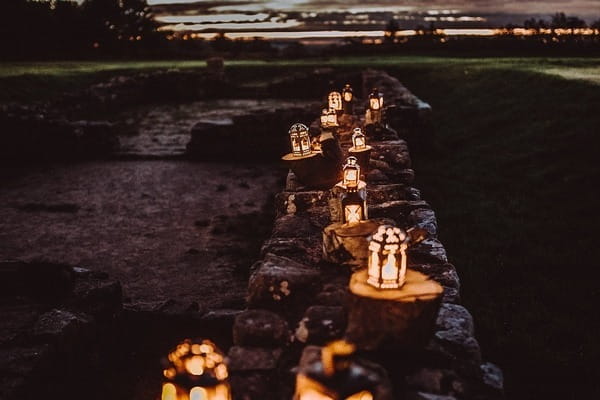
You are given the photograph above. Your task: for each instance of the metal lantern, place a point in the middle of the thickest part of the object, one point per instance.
(332, 118)
(387, 257)
(300, 140)
(324, 117)
(335, 376)
(354, 207)
(195, 370)
(335, 101)
(359, 140)
(351, 173)
(347, 93)
(375, 100)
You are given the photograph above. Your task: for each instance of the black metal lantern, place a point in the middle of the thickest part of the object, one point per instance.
(354, 207)
(359, 140)
(351, 174)
(375, 100)
(195, 370)
(348, 97)
(347, 93)
(300, 140)
(336, 376)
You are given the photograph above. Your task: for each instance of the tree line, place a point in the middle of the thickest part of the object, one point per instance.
(64, 28)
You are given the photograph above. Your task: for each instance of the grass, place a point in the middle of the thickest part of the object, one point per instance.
(513, 181)
(27, 81)
(512, 177)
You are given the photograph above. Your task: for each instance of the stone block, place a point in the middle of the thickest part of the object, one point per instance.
(260, 328)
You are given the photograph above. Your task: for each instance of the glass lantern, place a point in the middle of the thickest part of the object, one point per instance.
(324, 117)
(351, 174)
(354, 207)
(335, 376)
(195, 371)
(347, 93)
(359, 140)
(387, 257)
(375, 100)
(300, 140)
(335, 101)
(332, 118)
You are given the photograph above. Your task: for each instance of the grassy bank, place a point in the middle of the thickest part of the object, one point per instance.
(513, 180)
(27, 81)
(512, 177)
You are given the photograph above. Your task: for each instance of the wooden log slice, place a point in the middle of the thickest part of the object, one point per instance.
(394, 319)
(347, 244)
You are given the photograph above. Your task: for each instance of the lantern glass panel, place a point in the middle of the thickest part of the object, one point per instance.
(198, 393)
(374, 103)
(364, 395)
(353, 213)
(311, 394)
(335, 101)
(332, 118)
(324, 117)
(347, 93)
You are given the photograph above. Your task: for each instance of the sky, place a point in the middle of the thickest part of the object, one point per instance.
(584, 8)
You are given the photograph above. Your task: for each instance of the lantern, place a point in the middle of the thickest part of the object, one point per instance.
(300, 140)
(359, 141)
(335, 101)
(351, 173)
(375, 100)
(324, 117)
(195, 371)
(332, 118)
(354, 207)
(347, 93)
(387, 255)
(335, 376)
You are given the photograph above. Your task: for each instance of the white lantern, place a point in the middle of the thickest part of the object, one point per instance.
(335, 101)
(387, 257)
(196, 371)
(300, 140)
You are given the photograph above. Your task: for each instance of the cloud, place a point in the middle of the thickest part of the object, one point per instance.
(579, 7)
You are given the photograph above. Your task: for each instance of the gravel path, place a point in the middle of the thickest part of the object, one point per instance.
(165, 229)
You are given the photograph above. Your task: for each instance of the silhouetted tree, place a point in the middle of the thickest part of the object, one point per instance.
(391, 29)
(595, 24)
(560, 20)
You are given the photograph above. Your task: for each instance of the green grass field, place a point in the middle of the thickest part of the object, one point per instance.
(512, 176)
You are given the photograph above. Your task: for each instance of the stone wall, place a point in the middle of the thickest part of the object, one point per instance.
(297, 301)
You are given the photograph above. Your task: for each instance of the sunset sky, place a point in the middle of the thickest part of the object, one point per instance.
(585, 8)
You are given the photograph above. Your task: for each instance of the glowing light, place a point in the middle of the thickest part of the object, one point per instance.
(169, 392)
(195, 365)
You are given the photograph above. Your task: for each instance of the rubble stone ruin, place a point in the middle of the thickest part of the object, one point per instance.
(67, 331)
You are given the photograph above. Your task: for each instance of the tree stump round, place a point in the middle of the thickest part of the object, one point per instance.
(314, 170)
(394, 319)
(347, 244)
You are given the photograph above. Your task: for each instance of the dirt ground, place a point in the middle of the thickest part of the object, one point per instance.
(164, 229)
